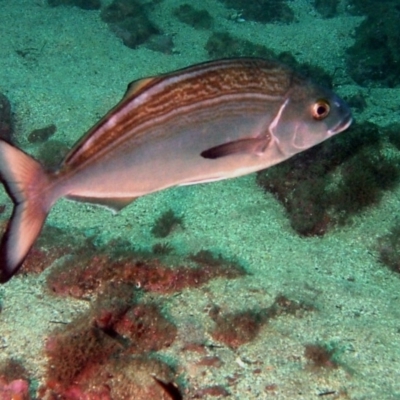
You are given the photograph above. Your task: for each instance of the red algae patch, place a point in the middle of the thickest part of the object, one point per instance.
(105, 353)
(76, 351)
(39, 259)
(87, 274)
(122, 377)
(156, 277)
(146, 328)
(14, 383)
(321, 356)
(80, 276)
(95, 355)
(14, 390)
(52, 244)
(237, 329)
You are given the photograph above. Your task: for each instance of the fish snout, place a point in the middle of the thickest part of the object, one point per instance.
(342, 125)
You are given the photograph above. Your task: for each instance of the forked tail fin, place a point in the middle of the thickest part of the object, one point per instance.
(25, 181)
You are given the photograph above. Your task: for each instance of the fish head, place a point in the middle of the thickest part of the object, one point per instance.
(309, 115)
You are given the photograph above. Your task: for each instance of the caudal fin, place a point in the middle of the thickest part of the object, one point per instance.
(25, 181)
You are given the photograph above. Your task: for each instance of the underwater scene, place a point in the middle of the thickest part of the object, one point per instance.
(228, 227)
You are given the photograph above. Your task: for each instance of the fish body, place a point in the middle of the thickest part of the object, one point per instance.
(208, 122)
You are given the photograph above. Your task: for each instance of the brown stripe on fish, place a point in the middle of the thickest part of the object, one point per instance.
(160, 98)
(213, 81)
(137, 129)
(236, 105)
(226, 75)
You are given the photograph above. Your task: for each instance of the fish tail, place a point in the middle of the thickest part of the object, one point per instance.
(25, 181)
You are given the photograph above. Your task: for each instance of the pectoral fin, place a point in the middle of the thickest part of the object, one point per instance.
(254, 146)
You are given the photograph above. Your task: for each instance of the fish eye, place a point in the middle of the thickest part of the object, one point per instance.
(320, 109)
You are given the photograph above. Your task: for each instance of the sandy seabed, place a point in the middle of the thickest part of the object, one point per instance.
(74, 71)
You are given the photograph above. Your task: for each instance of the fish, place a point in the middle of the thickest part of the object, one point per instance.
(203, 123)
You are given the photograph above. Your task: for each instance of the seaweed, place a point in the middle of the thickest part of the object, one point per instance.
(330, 183)
(327, 8)
(388, 247)
(42, 134)
(321, 355)
(165, 224)
(84, 4)
(198, 19)
(52, 152)
(6, 122)
(224, 45)
(374, 58)
(129, 20)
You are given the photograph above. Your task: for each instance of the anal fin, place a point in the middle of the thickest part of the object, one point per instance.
(115, 204)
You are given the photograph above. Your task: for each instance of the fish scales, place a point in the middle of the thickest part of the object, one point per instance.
(176, 93)
(211, 121)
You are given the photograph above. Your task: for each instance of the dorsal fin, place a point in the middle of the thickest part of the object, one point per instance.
(136, 86)
(132, 90)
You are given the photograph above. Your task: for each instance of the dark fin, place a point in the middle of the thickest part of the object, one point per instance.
(242, 146)
(25, 182)
(115, 204)
(135, 86)
(170, 388)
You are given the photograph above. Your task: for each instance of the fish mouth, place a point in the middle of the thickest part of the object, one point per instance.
(342, 125)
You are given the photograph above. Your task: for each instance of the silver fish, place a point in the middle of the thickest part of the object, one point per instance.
(204, 123)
